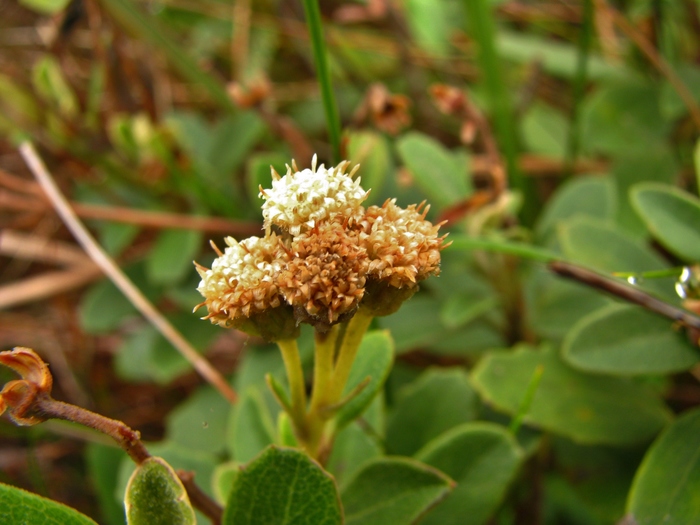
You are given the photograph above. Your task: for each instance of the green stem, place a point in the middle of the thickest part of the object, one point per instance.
(584, 47)
(313, 19)
(295, 376)
(482, 26)
(357, 327)
(321, 396)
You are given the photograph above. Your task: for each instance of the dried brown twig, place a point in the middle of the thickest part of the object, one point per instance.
(117, 276)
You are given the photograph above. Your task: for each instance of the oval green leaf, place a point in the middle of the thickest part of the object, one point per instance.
(672, 216)
(666, 488)
(627, 340)
(371, 151)
(423, 411)
(436, 170)
(483, 459)
(20, 506)
(585, 407)
(374, 359)
(156, 496)
(393, 490)
(250, 428)
(283, 486)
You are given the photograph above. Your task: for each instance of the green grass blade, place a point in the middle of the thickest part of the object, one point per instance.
(313, 19)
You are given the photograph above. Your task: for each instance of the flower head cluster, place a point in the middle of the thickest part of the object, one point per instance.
(326, 257)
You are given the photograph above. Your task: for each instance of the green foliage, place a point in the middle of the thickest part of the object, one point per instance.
(665, 489)
(20, 506)
(155, 496)
(393, 490)
(283, 486)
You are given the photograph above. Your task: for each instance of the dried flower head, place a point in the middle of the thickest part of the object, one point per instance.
(402, 245)
(330, 257)
(241, 283)
(19, 396)
(325, 277)
(302, 199)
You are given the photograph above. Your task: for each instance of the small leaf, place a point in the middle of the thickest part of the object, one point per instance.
(223, 478)
(351, 448)
(102, 462)
(437, 171)
(200, 422)
(483, 459)
(51, 84)
(18, 506)
(423, 411)
(374, 359)
(171, 258)
(459, 309)
(625, 340)
(545, 130)
(250, 427)
(156, 496)
(666, 487)
(393, 490)
(672, 217)
(584, 407)
(283, 487)
(371, 151)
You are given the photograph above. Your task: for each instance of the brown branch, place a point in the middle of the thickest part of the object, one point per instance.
(626, 292)
(200, 499)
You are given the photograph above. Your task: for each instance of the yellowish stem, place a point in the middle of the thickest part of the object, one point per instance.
(295, 376)
(357, 327)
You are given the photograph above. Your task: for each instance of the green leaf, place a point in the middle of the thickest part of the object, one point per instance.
(441, 174)
(171, 258)
(608, 249)
(156, 496)
(351, 448)
(483, 459)
(429, 22)
(545, 130)
(584, 407)
(460, 309)
(393, 490)
(250, 428)
(371, 151)
(666, 488)
(53, 87)
(223, 478)
(103, 461)
(18, 506)
(374, 359)
(200, 422)
(590, 196)
(437, 401)
(283, 487)
(45, 7)
(623, 339)
(672, 217)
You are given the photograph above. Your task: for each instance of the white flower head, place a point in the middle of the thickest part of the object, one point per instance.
(241, 280)
(301, 200)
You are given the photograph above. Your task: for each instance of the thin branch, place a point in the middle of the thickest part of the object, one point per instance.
(117, 276)
(623, 291)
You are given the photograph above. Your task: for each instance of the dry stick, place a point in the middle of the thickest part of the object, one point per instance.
(205, 369)
(659, 63)
(199, 498)
(624, 291)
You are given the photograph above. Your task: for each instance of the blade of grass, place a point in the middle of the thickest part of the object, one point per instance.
(146, 28)
(482, 26)
(313, 20)
(579, 86)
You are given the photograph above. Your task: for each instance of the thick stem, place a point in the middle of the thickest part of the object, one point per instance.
(357, 327)
(295, 376)
(322, 395)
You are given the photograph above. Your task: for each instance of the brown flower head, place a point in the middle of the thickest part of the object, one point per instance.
(402, 246)
(19, 396)
(325, 277)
